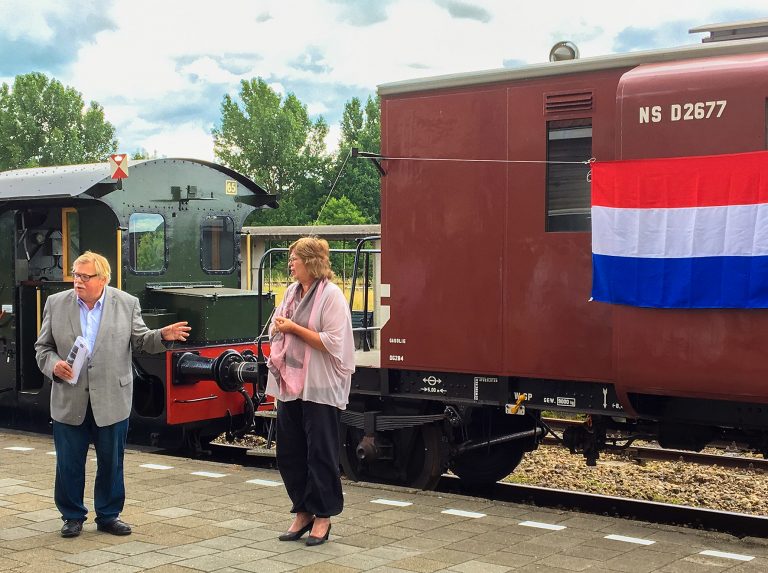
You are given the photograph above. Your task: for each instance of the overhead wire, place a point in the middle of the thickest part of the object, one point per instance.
(452, 159)
(459, 160)
(330, 192)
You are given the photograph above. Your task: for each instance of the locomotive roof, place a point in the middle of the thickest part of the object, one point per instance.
(60, 182)
(582, 65)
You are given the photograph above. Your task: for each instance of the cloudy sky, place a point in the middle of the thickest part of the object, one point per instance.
(160, 68)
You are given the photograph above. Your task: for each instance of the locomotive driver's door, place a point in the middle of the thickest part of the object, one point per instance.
(8, 310)
(39, 267)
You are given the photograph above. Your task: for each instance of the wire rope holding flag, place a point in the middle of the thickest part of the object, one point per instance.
(687, 232)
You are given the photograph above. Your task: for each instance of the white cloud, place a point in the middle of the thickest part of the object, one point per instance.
(332, 139)
(179, 58)
(316, 108)
(277, 87)
(187, 140)
(21, 18)
(207, 69)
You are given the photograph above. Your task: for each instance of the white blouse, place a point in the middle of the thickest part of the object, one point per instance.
(329, 373)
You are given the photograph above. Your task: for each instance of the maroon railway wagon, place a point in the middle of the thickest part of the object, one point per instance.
(486, 266)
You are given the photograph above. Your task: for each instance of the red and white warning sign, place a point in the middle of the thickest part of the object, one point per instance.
(118, 166)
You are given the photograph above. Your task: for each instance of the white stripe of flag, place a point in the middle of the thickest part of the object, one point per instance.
(729, 231)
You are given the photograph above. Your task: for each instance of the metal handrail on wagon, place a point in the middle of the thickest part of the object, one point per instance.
(366, 284)
(357, 251)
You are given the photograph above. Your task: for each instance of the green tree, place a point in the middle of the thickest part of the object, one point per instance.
(150, 255)
(361, 128)
(341, 211)
(43, 123)
(141, 154)
(273, 141)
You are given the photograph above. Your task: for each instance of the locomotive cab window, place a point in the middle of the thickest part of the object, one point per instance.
(568, 191)
(146, 243)
(217, 245)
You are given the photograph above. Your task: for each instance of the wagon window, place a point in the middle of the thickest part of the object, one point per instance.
(70, 233)
(568, 191)
(217, 245)
(146, 243)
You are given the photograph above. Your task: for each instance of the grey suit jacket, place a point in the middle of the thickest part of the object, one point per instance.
(107, 380)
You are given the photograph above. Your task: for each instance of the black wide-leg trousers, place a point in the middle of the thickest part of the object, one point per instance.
(308, 456)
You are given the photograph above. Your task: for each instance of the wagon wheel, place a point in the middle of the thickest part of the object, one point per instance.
(487, 465)
(419, 457)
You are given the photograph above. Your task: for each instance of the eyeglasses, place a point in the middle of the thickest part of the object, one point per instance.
(83, 277)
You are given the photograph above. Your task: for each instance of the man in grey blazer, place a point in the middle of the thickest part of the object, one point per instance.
(96, 406)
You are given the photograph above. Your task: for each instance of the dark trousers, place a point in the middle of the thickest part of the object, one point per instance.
(71, 444)
(308, 456)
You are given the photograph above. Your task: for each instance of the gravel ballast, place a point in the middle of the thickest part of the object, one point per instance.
(696, 485)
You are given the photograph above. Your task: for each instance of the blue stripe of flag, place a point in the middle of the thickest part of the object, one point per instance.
(698, 282)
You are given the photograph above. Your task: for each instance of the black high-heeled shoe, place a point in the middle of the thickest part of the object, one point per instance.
(294, 535)
(312, 540)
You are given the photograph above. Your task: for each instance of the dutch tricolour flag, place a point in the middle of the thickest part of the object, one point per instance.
(681, 233)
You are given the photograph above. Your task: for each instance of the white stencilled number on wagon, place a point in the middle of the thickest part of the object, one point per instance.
(697, 110)
(650, 114)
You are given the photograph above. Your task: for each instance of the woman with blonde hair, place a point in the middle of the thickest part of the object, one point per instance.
(310, 368)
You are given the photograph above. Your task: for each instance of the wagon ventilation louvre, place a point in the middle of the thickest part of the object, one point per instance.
(568, 101)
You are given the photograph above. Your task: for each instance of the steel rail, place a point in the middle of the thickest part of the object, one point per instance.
(651, 453)
(732, 523)
(737, 524)
(722, 460)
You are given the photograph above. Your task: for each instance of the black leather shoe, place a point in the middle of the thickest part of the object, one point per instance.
(312, 540)
(71, 528)
(294, 535)
(115, 527)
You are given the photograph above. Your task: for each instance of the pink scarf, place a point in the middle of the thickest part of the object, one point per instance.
(289, 354)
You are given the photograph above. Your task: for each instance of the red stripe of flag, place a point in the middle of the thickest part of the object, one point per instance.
(706, 181)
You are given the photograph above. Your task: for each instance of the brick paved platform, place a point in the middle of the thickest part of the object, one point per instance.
(191, 515)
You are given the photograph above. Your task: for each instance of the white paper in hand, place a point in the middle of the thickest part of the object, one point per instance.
(77, 357)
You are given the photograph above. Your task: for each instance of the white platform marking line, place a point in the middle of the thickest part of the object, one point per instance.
(19, 449)
(724, 555)
(266, 482)
(462, 513)
(630, 539)
(53, 453)
(392, 502)
(540, 525)
(209, 474)
(156, 467)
